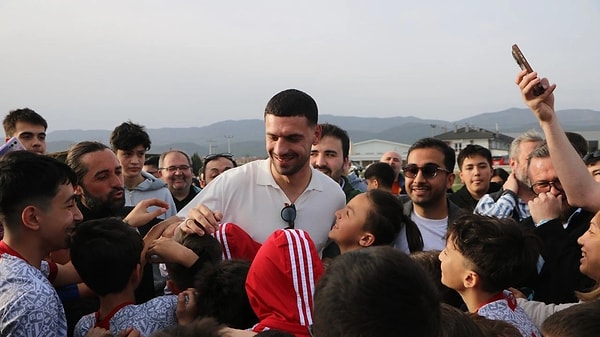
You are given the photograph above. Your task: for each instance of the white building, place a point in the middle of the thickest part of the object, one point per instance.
(370, 151)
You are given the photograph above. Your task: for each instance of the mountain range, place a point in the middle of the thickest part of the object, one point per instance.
(247, 138)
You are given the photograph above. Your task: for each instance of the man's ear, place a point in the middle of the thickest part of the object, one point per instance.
(450, 181)
(78, 190)
(317, 135)
(202, 181)
(366, 240)
(29, 217)
(346, 165)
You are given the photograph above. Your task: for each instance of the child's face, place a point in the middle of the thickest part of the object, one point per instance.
(350, 222)
(454, 266)
(590, 250)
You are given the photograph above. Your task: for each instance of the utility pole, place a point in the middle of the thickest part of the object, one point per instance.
(229, 137)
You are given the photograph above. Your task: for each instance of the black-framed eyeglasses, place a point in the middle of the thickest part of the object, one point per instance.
(429, 170)
(591, 155)
(546, 186)
(175, 168)
(288, 214)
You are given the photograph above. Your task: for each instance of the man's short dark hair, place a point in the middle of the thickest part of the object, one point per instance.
(105, 252)
(381, 171)
(28, 178)
(22, 115)
(445, 149)
(338, 133)
(471, 151)
(292, 103)
(129, 135)
(377, 290)
(579, 142)
(77, 151)
(152, 161)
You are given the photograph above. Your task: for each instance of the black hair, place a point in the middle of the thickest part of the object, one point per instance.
(381, 171)
(445, 149)
(105, 252)
(29, 178)
(473, 150)
(22, 115)
(129, 135)
(292, 103)
(338, 133)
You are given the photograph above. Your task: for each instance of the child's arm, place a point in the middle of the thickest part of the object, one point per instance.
(167, 250)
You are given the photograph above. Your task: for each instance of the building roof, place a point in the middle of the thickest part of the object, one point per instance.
(471, 132)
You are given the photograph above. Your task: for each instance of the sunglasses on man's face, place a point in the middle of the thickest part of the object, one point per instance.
(429, 171)
(288, 214)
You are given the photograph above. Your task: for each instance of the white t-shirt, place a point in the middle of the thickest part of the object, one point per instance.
(432, 231)
(249, 197)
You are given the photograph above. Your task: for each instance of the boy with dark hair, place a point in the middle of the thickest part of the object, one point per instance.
(373, 291)
(130, 142)
(38, 210)
(475, 171)
(380, 176)
(483, 257)
(221, 294)
(107, 255)
(29, 127)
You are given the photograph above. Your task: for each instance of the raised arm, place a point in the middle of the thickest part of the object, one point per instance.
(579, 186)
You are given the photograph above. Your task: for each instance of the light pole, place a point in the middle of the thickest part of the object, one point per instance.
(210, 146)
(229, 137)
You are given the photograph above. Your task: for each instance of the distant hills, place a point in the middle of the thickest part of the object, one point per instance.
(249, 138)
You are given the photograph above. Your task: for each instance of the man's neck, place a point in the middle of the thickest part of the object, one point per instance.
(293, 185)
(132, 182)
(181, 194)
(433, 212)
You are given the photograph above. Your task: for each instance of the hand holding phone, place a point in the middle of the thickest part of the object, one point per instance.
(12, 144)
(524, 65)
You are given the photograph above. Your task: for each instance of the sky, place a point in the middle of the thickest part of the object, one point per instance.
(94, 64)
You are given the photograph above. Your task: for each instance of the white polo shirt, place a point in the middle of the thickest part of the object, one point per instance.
(249, 197)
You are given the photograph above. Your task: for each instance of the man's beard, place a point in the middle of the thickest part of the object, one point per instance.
(108, 206)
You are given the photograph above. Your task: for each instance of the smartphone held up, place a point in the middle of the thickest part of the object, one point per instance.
(524, 65)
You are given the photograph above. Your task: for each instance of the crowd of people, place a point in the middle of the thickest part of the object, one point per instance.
(106, 242)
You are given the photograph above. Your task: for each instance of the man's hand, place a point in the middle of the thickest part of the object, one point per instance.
(511, 183)
(140, 216)
(164, 228)
(201, 220)
(542, 105)
(545, 206)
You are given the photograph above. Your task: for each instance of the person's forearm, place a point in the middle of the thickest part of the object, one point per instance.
(579, 186)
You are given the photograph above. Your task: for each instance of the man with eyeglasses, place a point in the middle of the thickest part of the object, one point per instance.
(258, 196)
(215, 164)
(558, 224)
(429, 173)
(175, 169)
